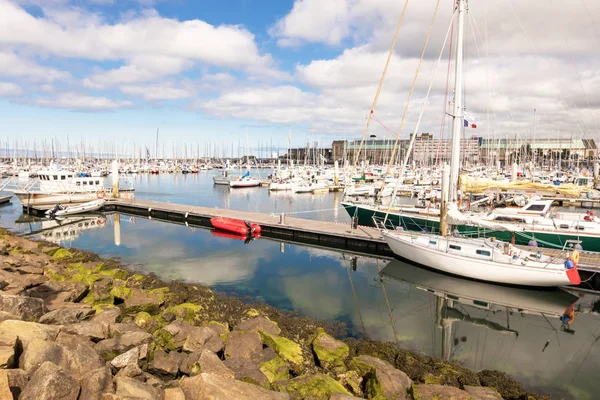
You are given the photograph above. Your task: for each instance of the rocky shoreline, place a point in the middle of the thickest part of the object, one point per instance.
(75, 326)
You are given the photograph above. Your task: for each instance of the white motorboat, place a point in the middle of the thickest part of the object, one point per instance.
(309, 187)
(61, 211)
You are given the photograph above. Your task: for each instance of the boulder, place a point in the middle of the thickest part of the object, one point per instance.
(209, 363)
(218, 327)
(55, 294)
(6, 315)
(207, 386)
(439, 392)
(50, 382)
(7, 355)
(129, 357)
(26, 332)
(242, 344)
(214, 344)
(331, 353)
(198, 337)
(76, 358)
(23, 307)
(259, 323)
(166, 365)
(275, 369)
(93, 330)
(19, 284)
(286, 349)
(247, 370)
(383, 378)
(119, 328)
(339, 396)
(313, 387)
(482, 393)
(108, 316)
(140, 300)
(174, 394)
(110, 348)
(129, 387)
(67, 315)
(5, 392)
(17, 380)
(68, 339)
(95, 383)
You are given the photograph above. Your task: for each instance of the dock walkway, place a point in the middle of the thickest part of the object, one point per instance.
(322, 233)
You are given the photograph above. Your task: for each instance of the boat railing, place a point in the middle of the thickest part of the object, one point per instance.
(384, 224)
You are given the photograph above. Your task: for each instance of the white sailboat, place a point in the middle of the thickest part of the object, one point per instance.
(482, 259)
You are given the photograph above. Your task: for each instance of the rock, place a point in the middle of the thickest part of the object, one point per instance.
(19, 284)
(68, 339)
(285, 348)
(17, 380)
(174, 394)
(166, 365)
(482, 393)
(76, 358)
(67, 315)
(331, 353)
(218, 327)
(209, 363)
(386, 381)
(26, 332)
(118, 329)
(197, 338)
(242, 344)
(247, 370)
(508, 388)
(339, 396)
(23, 307)
(7, 355)
(93, 330)
(351, 380)
(259, 323)
(129, 357)
(55, 294)
(140, 300)
(5, 392)
(275, 369)
(142, 319)
(50, 382)
(207, 386)
(214, 344)
(439, 392)
(185, 311)
(129, 387)
(110, 348)
(108, 316)
(95, 383)
(30, 270)
(6, 316)
(313, 387)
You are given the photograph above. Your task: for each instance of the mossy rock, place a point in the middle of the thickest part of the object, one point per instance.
(330, 353)
(185, 311)
(252, 313)
(120, 292)
(311, 387)
(142, 319)
(61, 254)
(164, 340)
(79, 273)
(285, 348)
(115, 273)
(275, 370)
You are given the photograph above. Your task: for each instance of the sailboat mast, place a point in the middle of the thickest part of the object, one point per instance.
(458, 112)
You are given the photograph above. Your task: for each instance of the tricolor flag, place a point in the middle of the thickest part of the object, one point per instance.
(469, 120)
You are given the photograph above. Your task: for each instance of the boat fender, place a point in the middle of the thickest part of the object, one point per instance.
(100, 194)
(538, 255)
(575, 257)
(569, 264)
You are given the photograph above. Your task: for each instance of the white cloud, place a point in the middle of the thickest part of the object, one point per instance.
(9, 89)
(76, 101)
(15, 66)
(159, 91)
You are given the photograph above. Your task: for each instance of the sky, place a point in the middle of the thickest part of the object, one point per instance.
(283, 71)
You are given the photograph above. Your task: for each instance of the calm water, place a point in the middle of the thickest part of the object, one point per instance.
(481, 326)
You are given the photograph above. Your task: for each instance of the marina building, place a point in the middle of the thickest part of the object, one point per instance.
(546, 150)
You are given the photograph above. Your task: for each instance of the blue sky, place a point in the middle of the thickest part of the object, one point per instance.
(113, 71)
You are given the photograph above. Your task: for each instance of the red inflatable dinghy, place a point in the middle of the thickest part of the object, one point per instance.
(235, 226)
(218, 233)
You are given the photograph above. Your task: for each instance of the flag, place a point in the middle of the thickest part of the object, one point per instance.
(469, 121)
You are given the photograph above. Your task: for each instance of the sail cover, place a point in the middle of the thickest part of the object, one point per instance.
(455, 217)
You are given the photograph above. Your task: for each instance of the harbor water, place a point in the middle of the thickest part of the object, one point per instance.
(480, 326)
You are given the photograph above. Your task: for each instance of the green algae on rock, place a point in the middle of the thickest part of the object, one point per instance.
(287, 350)
(331, 353)
(275, 369)
(311, 387)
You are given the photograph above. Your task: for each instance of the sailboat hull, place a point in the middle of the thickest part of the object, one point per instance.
(405, 247)
(431, 224)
